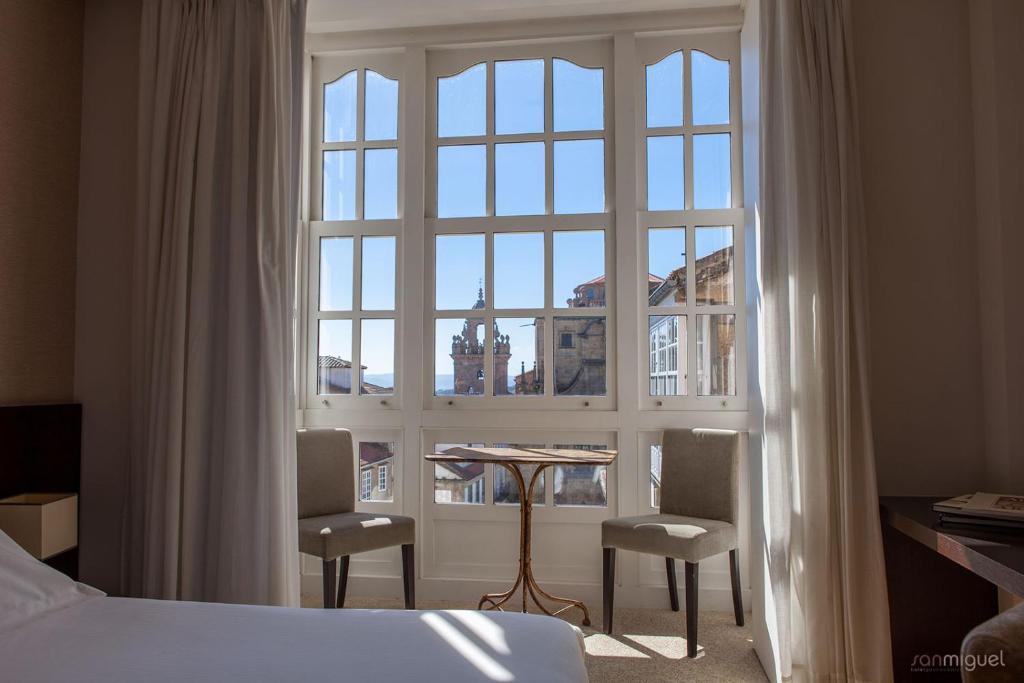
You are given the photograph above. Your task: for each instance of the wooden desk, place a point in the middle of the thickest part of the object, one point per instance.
(942, 580)
(512, 459)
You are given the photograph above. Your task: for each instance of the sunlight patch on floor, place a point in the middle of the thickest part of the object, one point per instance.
(601, 645)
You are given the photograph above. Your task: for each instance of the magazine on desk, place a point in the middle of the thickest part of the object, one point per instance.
(981, 508)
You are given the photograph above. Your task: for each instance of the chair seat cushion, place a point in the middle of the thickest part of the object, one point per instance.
(347, 533)
(685, 538)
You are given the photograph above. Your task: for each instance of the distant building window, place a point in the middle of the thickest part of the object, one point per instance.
(382, 477)
(566, 342)
(367, 485)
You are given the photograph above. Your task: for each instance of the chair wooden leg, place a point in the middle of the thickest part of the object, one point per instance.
(343, 583)
(330, 572)
(409, 575)
(673, 591)
(690, 578)
(609, 587)
(737, 596)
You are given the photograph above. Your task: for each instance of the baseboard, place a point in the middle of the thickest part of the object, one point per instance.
(711, 598)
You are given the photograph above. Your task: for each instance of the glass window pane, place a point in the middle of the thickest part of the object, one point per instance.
(458, 272)
(462, 103)
(665, 92)
(336, 274)
(334, 357)
(519, 270)
(710, 89)
(666, 266)
(579, 176)
(519, 179)
(579, 280)
(461, 181)
(716, 355)
(581, 484)
(506, 489)
(339, 185)
(377, 356)
(655, 476)
(381, 114)
(667, 346)
(714, 268)
(665, 173)
(518, 356)
(578, 94)
(378, 281)
(380, 186)
(519, 96)
(580, 356)
(340, 109)
(459, 482)
(459, 357)
(376, 471)
(712, 172)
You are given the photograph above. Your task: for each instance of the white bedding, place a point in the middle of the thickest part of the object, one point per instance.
(117, 640)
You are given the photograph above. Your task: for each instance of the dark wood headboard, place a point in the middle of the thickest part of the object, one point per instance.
(40, 452)
(40, 448)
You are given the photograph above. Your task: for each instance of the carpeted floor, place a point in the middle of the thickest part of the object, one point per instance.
(648, 645)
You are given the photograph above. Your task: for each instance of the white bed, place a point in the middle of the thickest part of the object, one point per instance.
(52, 629)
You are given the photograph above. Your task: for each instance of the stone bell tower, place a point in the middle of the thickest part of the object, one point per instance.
(468, 355)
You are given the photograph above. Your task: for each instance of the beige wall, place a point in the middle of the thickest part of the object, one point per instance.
(940, 84)
(106, 217)
(41, 76)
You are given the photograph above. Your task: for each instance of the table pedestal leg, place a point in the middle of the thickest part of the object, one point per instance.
(525, 575)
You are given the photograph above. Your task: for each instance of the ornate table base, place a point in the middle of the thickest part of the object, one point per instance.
(525, 577)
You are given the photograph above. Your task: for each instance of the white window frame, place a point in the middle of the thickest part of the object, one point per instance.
(447, 62)
(327, 70)
(650, 50)
(412, 418)
(366, 485)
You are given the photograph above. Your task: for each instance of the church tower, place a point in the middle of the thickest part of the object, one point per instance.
(468, 355)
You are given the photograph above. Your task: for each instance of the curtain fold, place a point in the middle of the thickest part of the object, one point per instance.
(826, 572)
(211, 507)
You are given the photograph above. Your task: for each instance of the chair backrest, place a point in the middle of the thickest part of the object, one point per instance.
(325, 472)
(700, 473)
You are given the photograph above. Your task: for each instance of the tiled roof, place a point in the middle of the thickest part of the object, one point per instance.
(370, 453)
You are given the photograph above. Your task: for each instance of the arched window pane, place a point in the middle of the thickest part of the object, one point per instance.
(340, 109)
(665, 92)
(519, 96)
(462, 103)
(710, 89)
(578, 94)
(381, 107)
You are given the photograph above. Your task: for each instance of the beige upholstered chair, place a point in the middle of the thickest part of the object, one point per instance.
(699, 503)
(993, 652)
(329, 527)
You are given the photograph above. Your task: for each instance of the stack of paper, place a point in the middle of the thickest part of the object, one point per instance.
(988, 509)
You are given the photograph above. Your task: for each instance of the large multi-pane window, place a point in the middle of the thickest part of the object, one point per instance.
(354, 245)
(476, 214)
(688, 133)
(519, 256)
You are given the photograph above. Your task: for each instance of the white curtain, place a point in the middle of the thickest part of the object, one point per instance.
(211, 508)
(826, 574)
